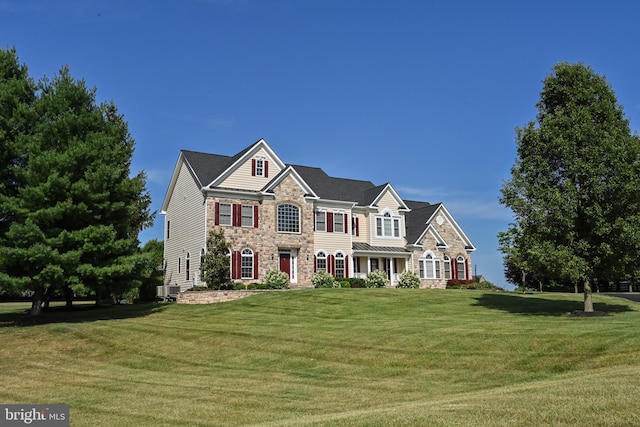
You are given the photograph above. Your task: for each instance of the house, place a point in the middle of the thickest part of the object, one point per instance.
(300, 220)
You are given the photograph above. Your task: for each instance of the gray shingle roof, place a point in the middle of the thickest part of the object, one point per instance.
(416, 219)
(365, 247)
(208, 167)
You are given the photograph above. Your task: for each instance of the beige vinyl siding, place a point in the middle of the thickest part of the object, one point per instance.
(363, 228)
(186, 212)
(387, 202)
(242, 179)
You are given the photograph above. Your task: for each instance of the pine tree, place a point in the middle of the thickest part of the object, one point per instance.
(78, 210)
(216, 268)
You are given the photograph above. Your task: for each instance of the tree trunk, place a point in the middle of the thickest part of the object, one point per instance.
(588, 297)
(575, 287)
(524, 281)
(68, 296)
(36, 302)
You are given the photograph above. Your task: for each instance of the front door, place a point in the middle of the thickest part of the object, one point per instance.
(285, 263)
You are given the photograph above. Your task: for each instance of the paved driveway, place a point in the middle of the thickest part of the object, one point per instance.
(633, 296)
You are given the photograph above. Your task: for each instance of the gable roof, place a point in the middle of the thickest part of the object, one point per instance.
(206, 167)
(416, 220)
(331, 188)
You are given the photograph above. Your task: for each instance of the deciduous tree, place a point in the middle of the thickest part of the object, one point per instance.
(574, 186)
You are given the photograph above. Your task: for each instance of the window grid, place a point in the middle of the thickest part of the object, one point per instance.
(247, 264)
(321, 221)
(288, 218)
(321, 261)
(339, 266)
(247, 216)
(225, 213)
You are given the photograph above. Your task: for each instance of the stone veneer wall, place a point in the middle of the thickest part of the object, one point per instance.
(265, 240)
(455, 250)
(211, 297)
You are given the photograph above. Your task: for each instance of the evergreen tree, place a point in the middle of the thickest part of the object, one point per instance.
(574, 186)
(78, 210)
(216, 268)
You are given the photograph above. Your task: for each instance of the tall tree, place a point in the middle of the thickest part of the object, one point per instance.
(574, 185)
(79, 209)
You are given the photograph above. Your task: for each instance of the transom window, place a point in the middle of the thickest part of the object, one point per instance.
(387, 226)
(429, 267)
(225, 213)
(288, 218)
(247, 264)
(321, 261)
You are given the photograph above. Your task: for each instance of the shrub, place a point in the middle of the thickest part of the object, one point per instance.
(408, 279)
(356, 282)
(376, 279)
(322, 279)
(276, 279)
(345, 284)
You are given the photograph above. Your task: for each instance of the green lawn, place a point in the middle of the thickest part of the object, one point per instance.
(337, 357)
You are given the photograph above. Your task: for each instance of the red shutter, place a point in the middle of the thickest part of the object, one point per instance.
(217, 214)
(346, 266)
(253, 167)
(346, 224)
(466, 268)
(329, 222)
(235, 271)
(255, 265)
(357, 226)
(454, 269)
(266, 169)
(314, 263)
(255, 216)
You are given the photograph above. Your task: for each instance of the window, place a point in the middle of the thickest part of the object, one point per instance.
(387, 226)
(168, 229)
(338, 222)
(225, 214)
(187, 265)
(259, 167)
(461, 268)
(202, 256)
(355, 226)
(321, 221)
(247, 216)
(247, 264)
(288, 218)
(356, 265)
(339, 265)
(179, 264)
(447, 267)
(429, 267)
(321, 261)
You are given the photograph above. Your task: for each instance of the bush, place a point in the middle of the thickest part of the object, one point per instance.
(322, 279)
(345, 284)
(376, 279)
(276, 279)
(356, 282)
(408, 279)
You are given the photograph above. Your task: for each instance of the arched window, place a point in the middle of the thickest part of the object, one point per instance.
(447, 267)
(339, 265)
(387, 225)
(247, 264)
(321, 261)
(461, 268)
(429, 266)
(288, 218)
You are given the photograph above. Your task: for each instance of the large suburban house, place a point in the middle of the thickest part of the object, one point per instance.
(299, 220)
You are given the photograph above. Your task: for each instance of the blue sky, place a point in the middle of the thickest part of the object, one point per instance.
(424, 95)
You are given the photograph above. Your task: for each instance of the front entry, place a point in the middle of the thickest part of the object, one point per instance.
(285, 263)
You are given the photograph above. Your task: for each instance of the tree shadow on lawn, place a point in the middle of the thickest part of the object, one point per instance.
(79, 313)
(536, 306)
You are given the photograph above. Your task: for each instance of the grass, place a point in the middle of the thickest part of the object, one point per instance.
(336, 357)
